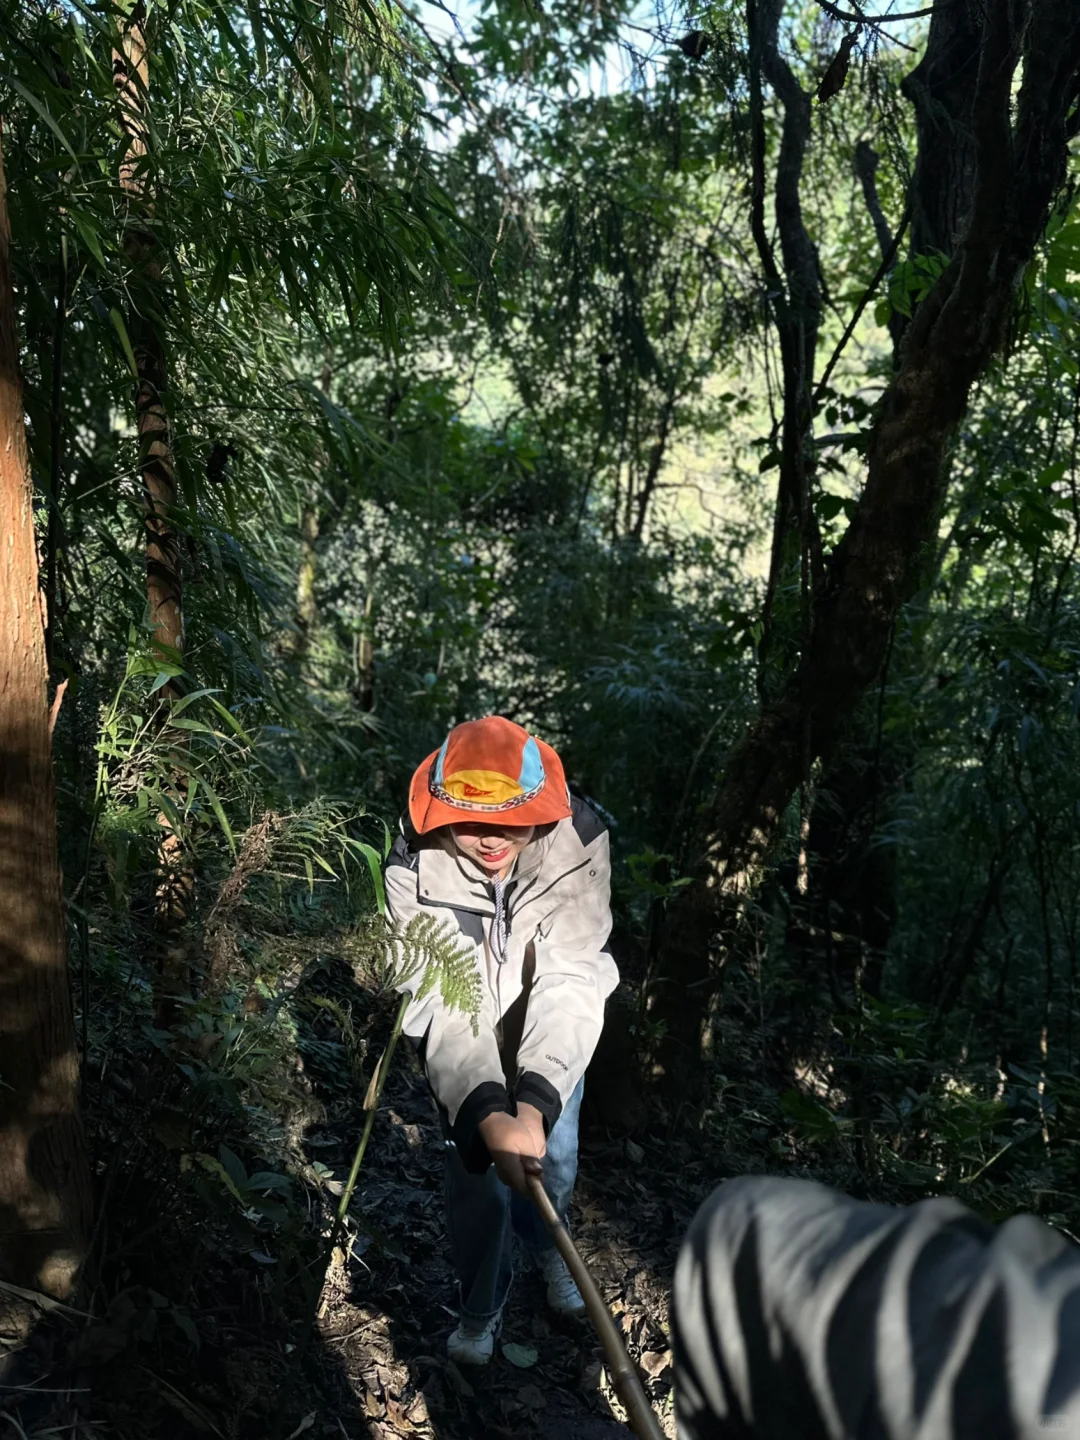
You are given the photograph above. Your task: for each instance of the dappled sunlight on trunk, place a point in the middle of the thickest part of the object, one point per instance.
(44, 1181)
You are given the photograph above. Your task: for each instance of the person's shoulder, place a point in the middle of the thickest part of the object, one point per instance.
(587, 819)
(577, 849)
(405, 851)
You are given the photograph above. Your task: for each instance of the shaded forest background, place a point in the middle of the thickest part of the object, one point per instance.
(698, 388)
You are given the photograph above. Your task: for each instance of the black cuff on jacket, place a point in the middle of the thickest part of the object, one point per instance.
(490, 1098)
(533, 1089)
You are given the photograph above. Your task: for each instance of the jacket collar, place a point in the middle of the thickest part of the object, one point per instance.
(447, 877)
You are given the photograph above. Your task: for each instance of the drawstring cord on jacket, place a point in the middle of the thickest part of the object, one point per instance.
(500, 925)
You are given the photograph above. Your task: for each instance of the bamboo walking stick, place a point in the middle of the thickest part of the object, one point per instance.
(623, 1375)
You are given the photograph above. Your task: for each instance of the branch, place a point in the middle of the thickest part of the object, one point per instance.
(757, 159)
(656, 460)
(883, 269)
(58, 700)
(856, 19)
(1047, 118)
(866, 163)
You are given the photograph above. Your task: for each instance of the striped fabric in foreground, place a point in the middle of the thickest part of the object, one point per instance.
(801, 1314)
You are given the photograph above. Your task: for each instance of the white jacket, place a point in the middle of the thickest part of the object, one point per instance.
(543, 1008)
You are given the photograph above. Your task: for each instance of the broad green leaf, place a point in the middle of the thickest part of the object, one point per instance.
(233, 1165)
(523, 1356)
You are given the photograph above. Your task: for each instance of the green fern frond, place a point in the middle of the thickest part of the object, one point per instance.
(430, 949)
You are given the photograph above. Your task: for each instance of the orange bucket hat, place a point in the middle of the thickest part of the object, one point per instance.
(493, 768)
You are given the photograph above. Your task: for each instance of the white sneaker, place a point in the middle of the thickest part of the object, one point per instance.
(562, 1294)
(469, 1346)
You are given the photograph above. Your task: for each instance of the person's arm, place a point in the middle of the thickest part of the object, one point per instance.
(463, 1069)
(799, 1311)
(574, 976)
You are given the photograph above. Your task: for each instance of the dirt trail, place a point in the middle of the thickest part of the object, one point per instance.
(384, 1328)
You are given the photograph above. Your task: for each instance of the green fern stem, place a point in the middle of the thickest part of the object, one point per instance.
(423, 952)
(371, 1106)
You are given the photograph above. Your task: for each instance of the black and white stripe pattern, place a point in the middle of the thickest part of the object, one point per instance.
(801, 1314)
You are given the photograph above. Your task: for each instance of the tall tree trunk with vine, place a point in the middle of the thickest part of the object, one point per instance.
(792, 287)
(1021, 145)
(45, 1202)
(174, 884)
(843, 903)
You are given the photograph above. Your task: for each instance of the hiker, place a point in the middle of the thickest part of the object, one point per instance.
(494, 846)
(801, 1314)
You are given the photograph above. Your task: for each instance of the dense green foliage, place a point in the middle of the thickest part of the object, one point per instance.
(473, 380)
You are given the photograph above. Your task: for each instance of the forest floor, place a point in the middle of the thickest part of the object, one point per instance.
(186, 1333)
(384, 1330)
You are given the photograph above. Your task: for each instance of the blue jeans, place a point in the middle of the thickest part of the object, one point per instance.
(483, 1215)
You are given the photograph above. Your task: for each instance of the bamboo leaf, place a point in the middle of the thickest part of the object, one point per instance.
(179, 706)
(219, 811)
(231, 720)
(89, 235)
(40, 110)
(374, 863)
(121, 331)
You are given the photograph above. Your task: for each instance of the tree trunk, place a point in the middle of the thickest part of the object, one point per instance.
(683, 985)
(307, 612)
(841, 896)
(794, 290)
(841, 915)
(1019, 169)
(45, 1200)
(364, 685)
(307, 607)
(941, 89)
(843, 903)
(163, 576)
(56, 436)
(175, 881)
(164, 585)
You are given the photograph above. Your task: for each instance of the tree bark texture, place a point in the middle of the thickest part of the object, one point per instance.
(1019, 170)
(157, 464)
(941, 89)
(794, 294)
(45, 1201)
(842, 914)
(175, 881)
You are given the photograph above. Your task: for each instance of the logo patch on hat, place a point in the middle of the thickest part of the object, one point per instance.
(488, 790)
(481, 787)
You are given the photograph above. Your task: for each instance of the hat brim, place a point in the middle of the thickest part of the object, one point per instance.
(427, 812)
